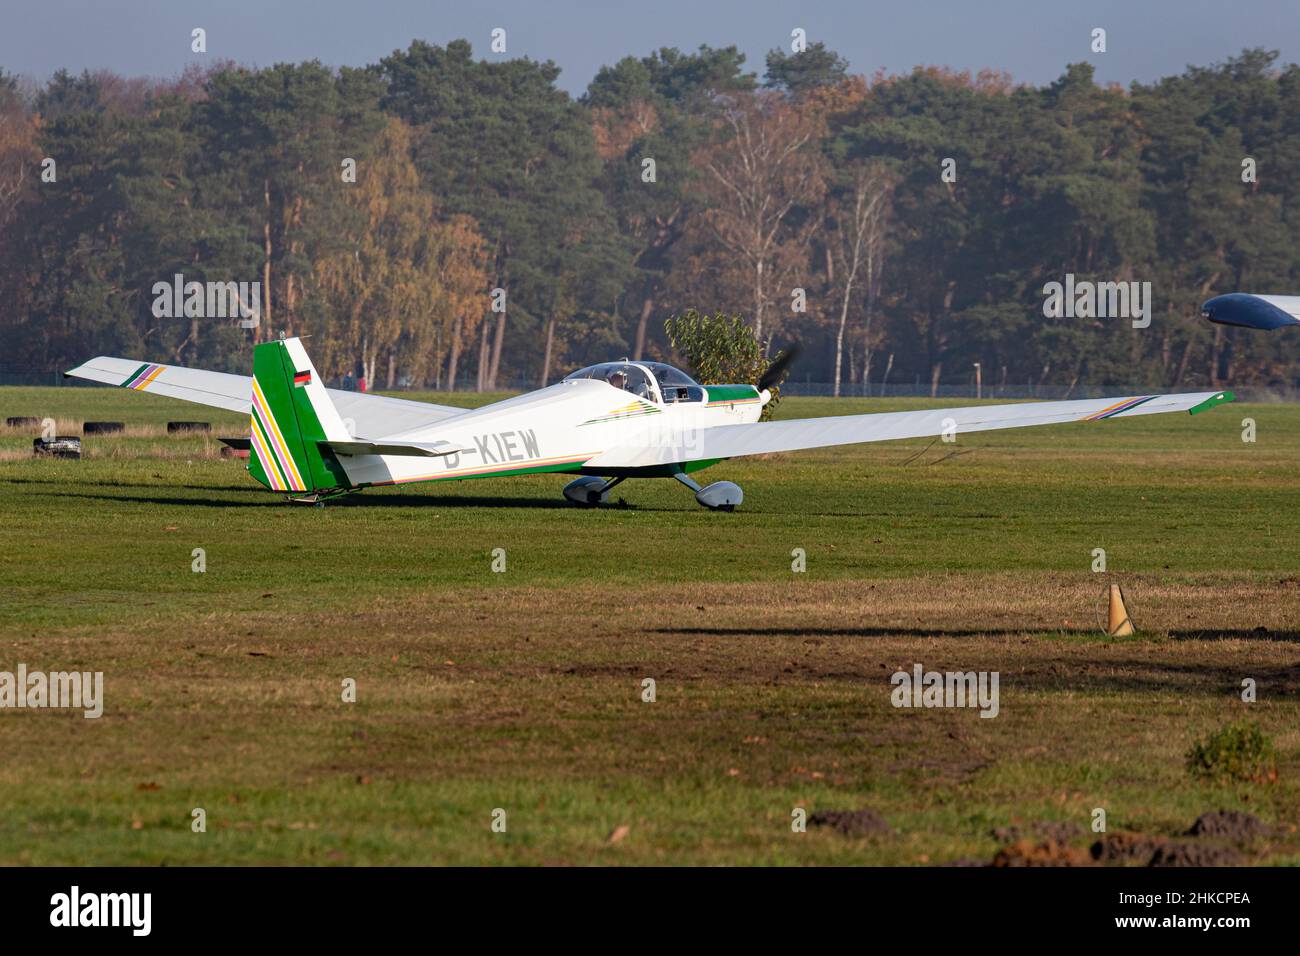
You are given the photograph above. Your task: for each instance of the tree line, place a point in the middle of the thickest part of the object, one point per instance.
(445, 221)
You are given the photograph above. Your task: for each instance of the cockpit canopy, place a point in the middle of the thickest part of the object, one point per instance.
(650, 380)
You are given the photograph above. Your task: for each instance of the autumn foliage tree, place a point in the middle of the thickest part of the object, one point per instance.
(404, 287)
(916, 214)
(764, 176)
(19, 172)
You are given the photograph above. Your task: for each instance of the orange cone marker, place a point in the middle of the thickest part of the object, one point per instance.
(1117, 619)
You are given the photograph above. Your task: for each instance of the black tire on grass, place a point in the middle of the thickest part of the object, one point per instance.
(102, 428)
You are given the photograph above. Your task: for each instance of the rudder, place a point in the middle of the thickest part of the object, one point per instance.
(291, 413)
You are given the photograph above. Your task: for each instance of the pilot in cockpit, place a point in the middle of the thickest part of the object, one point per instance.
(618, 380)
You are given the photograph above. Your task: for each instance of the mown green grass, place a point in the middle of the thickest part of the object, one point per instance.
(521, 690)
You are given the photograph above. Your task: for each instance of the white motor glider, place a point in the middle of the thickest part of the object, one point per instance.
(605, 423)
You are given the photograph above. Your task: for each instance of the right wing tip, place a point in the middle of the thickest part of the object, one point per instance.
(1218, 398)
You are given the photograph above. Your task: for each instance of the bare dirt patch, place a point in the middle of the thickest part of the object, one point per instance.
(854, 823)
(1123, 848)
(1061, 831)
(1237, 826)
(1194, 854)
(1216, 832)
(1046, 853)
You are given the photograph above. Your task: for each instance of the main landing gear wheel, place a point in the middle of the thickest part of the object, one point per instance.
(589, 490)
(719, 496)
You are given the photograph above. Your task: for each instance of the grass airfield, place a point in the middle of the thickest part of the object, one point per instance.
(522, 690)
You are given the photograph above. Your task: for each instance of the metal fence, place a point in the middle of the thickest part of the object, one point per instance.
(1249, 393)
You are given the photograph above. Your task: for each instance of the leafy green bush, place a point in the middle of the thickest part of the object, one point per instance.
(721, 350)
(1239, 751)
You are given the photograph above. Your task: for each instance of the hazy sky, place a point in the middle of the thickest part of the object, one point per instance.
(1032, 39)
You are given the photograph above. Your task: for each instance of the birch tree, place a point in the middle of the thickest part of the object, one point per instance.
(764, 167)
(857, 247)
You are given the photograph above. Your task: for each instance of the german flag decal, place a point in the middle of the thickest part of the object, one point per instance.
(301, 378)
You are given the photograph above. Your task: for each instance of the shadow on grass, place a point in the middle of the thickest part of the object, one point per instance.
(388, 498)
(155, 485)
(189, 502)
(862, 632)
(407, 500)
(1241, 634)
(270, 500)
(1113, 671)
(1236, 634)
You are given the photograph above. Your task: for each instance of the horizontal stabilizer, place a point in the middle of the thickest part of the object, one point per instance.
(437, 449)
(362, 412)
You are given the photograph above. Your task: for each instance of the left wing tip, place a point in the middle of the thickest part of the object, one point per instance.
(77, 370)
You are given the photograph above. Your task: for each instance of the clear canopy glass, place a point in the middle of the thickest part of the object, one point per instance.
(652, 380)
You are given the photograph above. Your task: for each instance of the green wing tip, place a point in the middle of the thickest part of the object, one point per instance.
(1222, 398)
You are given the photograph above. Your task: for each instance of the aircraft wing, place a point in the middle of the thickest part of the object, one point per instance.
(1253, 311)
(367, 414)
(760, 438)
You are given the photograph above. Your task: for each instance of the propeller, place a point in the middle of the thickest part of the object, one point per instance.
(776, 371)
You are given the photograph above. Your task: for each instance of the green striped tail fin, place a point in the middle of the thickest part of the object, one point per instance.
(291, 413)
